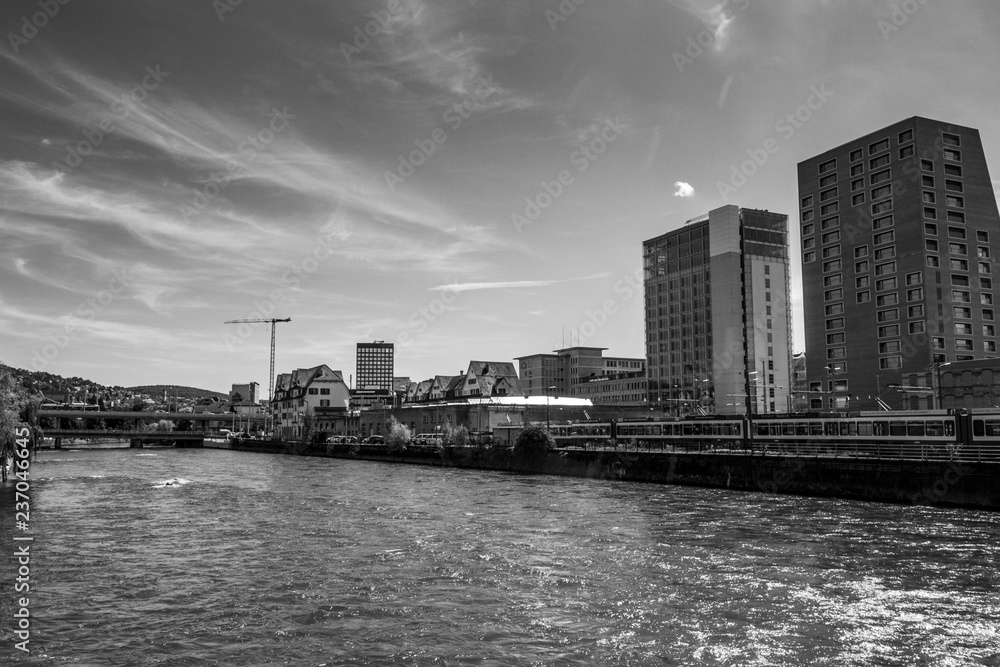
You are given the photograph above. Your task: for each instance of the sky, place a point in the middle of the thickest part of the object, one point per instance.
(469, 179)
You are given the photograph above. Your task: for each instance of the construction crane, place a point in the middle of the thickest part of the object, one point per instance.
(273, 321)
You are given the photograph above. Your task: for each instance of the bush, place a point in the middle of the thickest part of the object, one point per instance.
(533, 442)
(456, 436)
(397, 436)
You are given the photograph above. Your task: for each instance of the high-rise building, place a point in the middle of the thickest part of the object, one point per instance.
(718, 322)
(375, 366)
(899, 230)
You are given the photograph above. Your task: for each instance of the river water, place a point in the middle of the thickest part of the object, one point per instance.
(208, 557)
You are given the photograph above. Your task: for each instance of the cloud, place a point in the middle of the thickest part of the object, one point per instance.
(504, 284)
(683, 189)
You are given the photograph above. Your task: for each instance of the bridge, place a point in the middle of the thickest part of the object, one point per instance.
(194, 437)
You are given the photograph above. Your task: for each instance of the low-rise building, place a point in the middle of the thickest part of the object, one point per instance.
(309, 400)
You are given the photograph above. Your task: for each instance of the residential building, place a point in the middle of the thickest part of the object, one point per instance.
(571, 371)
(316, 394)
(718, 322)
(899, 230)
(484, 379)
(375, 374)
(245, 392)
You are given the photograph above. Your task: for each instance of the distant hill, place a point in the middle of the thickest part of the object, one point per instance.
(175, 390)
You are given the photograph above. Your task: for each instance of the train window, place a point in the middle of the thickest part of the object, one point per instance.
(935, 429)
(830, 428)
(880, 428)
(992, 427)
(815, 428)
(915, 429)
(897, 428)
(864, 428)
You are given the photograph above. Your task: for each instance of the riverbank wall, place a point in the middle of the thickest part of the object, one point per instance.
(943, 483)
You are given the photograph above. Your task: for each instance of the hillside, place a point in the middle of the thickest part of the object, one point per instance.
(175, 390)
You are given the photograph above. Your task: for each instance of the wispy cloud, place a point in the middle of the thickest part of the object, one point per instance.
(506, 284)
(683, 189)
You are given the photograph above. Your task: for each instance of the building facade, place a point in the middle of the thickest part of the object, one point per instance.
(718, 321)
(574, 371)
(899, 229)
(375, 364)
(309, 399)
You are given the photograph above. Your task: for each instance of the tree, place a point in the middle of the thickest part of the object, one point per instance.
(397, 436)
(533, 442)
(456, 436)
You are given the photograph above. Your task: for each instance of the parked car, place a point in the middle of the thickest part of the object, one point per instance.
(374, 440)
(427, 439)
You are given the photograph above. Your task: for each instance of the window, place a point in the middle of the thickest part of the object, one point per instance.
(960, 296)
(807, 215)
(915, 311)
(930, 213)
(856, 154)
(989, 330)
(905, 135)
(915, 294)
(953, 185)
(835, 323)
(884, 237)
(881, 176)
(862, 281)
(951, 154)
(988, 314)
(832, 251)
(958, 248)
(888, 331)
(889, 347)
(807, 230)
(878, 146)
(953, 170)
(885, 283)
(836, 338)
(989, 346)
(827, 195)
(905, 152)
(836, 353)
(887, 299)
(927, 165)
(835, 309)
(878, 162)
(829, 179)
(984, 267)
(956, 216)
(914, 278)
(831, 237)
(827, 166)
(828, 209)
(929, 197)
(833, 294)
(937, 343)
(930, 228)
(889, 363)
(861, 267)
(983, 237)
(955, 202)
(809, 257)
(861, 251)
(830, 223)
(927, 181)
(986, 299)
(882, 223)
(958, 264)
(858, 169)
(807, 201)
(951, 139)
(933, 261)
(809, 243)
(857, 184)
(963, 329)
(916, 327)
(885, 269)
(986, 283)
(885, 253)
(858, 199)
(832, 265)
(864, 297)
(890, 315)
(882, 207)
(962, 312)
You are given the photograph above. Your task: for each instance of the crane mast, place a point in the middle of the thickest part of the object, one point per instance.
(272, 321)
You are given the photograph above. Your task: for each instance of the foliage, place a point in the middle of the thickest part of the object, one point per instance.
(17, 409)
(308, 424)
(162, 426)
(397, 435)
(456, 436)
(533, 442)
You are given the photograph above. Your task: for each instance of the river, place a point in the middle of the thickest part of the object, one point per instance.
(209, 557)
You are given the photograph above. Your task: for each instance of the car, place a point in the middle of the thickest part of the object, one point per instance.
(374, 440)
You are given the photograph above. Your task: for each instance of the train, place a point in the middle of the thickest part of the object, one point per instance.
(958, 435)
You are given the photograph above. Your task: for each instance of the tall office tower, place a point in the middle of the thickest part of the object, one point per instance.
(375, 366)
(899, 228)
(718, 321)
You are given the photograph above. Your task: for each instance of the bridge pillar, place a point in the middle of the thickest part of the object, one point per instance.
(58, 443)
(135, 443)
